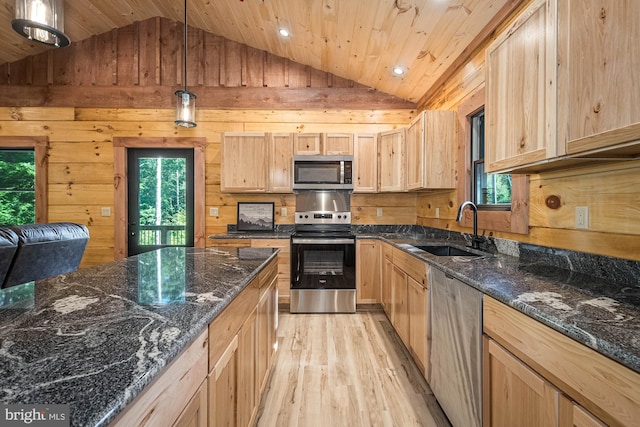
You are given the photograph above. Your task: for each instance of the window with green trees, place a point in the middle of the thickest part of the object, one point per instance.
(490, 191)
(17, 186)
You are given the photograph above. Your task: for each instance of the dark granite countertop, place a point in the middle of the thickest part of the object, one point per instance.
(95, 338)
(602, 314)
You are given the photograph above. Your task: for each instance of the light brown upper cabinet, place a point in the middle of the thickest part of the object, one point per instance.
(391, 166)
(307, 144)
(560, 85)
(430, 150)
(280, 163)
(337, 144)
(326, 144)
(256, 163)
(365, 163)
(243, 167)
(598, 85)
(520, 82)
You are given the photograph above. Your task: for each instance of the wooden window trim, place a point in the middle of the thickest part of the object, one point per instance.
(514, 221)
(40, 145)
(120, 145)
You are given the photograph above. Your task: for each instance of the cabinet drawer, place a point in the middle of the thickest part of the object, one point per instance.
(411, 265)
(228, 323)
(604, 387)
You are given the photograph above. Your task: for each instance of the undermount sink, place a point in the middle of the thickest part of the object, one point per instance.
(444, 250)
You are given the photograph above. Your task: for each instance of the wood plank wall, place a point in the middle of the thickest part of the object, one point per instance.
(81, 161)
(612, 191)
(141, 66)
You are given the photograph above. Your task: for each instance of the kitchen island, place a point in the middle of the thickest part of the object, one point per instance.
(95, 338)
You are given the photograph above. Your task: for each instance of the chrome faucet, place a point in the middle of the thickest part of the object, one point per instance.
(475, 243)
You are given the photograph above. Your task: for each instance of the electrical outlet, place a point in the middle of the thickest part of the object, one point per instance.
(106, 212)
(582, 217)
(437, 213)
(283, 211)
(213, 211)
(379, 211)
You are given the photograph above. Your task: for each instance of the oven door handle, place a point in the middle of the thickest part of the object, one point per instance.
(311, 241)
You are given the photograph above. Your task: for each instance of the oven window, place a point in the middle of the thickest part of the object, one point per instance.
(323, 263)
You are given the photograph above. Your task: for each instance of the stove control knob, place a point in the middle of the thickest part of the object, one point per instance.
(306, 216)
(339, 216)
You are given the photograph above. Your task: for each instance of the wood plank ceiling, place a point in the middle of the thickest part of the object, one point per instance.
(359, 40)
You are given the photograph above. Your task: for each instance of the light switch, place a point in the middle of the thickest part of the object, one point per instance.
(213, 211)
(283, 211)
(379, 211)
(106, 212)
(437, 212)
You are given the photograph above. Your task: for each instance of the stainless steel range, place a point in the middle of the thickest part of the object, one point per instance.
(323, 254)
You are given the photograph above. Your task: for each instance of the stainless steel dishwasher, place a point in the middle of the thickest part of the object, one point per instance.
(456, 348)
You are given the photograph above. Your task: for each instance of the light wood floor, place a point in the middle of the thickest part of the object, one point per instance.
(345, 370)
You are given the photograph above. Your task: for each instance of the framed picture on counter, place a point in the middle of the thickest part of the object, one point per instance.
(255, 216)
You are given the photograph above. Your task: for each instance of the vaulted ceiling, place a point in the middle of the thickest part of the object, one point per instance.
(360, 40)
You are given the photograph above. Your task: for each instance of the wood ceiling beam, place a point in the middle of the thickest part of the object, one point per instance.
(207, 97)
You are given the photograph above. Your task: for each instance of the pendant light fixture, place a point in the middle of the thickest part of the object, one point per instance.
(42, 21)
(186, 107)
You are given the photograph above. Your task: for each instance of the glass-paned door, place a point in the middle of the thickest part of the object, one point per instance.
(160, 194)
(17, 186)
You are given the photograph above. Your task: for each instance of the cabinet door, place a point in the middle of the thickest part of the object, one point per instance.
(308, 144)
(365, 164)
(284, 263)
(247, 384)
(244, 163)
(367, 272)
(266, 333)
(597, 76)
(415, 147)
(441, 141)
(521, 91)
(514, 395)
(573, 415)
(387, 277)
(400, 308)
(223, 388)
(338, 144)
(418, 324)
(281, 163)
(391, 172)
(195, 414)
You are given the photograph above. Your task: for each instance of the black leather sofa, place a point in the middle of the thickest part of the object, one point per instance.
(37, 251)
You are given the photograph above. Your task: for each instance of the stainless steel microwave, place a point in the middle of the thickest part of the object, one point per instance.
(323, 172)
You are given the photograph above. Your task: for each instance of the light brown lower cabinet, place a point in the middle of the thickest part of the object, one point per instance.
(196, 412)
(367, 271)
(404, 297)
(573, 415)
(515, 395)
(386, 254)
(418, 324)
(247, 368)
(223, 387)
(533, 372)
(399, 304)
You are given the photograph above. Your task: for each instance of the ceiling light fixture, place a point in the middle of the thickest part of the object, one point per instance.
(283, 32)
(42, 21)
(398, 71)
(186, 108)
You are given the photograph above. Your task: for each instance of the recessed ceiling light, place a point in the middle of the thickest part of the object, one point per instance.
(398, 71)
(283, 32)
